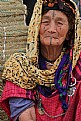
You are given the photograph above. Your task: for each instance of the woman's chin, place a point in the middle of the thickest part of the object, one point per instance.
(48, 43)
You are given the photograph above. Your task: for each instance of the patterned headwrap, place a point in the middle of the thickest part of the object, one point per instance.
(23, 69)
(34, 25)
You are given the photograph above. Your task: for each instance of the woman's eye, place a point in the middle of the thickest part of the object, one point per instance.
(45, 22)
(59, 23)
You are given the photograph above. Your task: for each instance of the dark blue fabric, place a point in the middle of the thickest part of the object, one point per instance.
(45, 91)
(60, 72)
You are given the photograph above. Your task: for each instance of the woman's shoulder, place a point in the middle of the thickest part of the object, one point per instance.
(77, 69)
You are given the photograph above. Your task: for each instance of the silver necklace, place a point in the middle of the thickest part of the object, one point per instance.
(42, 111)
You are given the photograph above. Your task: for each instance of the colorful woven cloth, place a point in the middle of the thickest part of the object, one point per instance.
(12, 90)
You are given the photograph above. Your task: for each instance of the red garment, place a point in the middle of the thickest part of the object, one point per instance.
(10, 90)
(53, 105)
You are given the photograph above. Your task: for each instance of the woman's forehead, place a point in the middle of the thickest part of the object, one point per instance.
(54, 14)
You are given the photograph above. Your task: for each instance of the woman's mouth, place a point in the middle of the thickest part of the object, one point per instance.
(52, 37)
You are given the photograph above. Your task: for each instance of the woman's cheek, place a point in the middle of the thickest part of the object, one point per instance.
(42, 39)
(63, 33)
(41, 32)
(42, 29)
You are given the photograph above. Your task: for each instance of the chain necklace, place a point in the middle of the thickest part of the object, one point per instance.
(42, 111)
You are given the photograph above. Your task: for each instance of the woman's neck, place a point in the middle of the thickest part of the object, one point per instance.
(51, 53)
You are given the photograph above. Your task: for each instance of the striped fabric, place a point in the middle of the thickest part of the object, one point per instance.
(12, 90)
(52, 105)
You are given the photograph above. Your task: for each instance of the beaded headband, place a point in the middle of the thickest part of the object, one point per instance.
(62, 4)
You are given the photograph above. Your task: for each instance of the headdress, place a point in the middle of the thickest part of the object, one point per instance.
(35, 24)
(22, 69)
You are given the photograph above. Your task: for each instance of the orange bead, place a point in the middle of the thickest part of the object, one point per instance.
(51, 4)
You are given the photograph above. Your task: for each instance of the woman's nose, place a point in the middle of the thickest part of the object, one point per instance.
(52, 28)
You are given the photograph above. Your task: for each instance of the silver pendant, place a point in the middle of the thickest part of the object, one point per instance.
(71, 91)
(40, 108)
(72, 87)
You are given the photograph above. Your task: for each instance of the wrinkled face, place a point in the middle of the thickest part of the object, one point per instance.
(54, 28)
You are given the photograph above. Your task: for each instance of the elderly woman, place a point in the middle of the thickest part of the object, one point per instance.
(44, 84)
